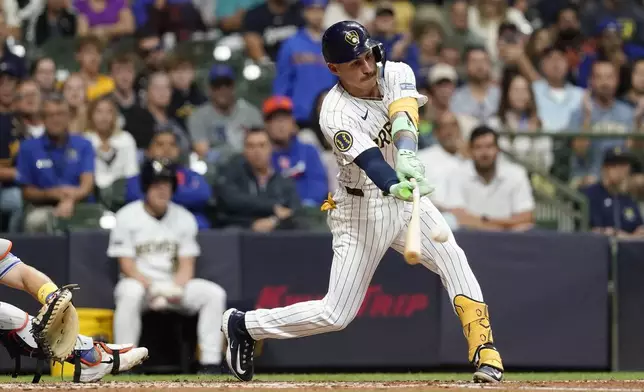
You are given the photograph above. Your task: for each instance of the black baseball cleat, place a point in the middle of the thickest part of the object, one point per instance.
(488, 374)
(240, 346)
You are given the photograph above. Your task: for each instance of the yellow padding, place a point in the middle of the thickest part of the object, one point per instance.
(469, 310)
(488, 356)
(475, 321)
(408, 105)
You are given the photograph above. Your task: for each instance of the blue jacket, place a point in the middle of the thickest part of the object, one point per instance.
(302, 73)
(192, 193)
(301, 162)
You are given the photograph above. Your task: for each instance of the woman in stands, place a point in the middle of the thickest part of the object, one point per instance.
(74, 91)
(518, 114)
(115, 148)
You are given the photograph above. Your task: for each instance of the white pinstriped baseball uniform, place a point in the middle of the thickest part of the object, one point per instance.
(364, 227)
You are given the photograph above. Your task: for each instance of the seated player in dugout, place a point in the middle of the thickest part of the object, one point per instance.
(192, 193)
(371, 118)
(614, 212)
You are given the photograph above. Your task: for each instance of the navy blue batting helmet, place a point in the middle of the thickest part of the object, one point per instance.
(157, 170)
(346, 41)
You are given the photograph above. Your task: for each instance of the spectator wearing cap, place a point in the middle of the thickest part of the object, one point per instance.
(356, 10)
(7, 57)
(193, 192)
(89, 56)
(268, 25)
(291, 157)
(154, 118)
(600, 112)
(186, 94)
(441, 80)
(610, 47)
(398, 47)
(217, 127)
(484, 194)
(56, 20)
(630, 13)
(10, 195)
(611, 210)
(106, 19)
(301, 70)
(556, 98)
(56, 170)
(479, 96)
(252, 194)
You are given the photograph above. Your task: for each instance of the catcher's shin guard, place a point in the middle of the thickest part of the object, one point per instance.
(476, 328)
(18, 348)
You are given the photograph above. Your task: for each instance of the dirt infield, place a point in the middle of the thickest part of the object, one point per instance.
(147, 386)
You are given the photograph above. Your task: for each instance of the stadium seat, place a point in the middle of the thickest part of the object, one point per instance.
(86, 216)
(113, 196)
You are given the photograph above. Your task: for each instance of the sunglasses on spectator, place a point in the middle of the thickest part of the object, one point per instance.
(148, 51)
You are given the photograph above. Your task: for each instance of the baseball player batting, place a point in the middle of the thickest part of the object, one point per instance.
(370, 117)
(92, 360)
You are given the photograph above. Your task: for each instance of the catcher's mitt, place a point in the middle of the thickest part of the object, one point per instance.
(56, 327)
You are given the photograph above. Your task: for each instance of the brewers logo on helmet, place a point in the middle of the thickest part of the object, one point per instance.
(346, 41)
(157, 170)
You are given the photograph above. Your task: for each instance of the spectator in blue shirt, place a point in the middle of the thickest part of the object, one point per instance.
(292, 158)
(612, 211)
(599, 113)
(301, 70)
(611, 48)
(193, 192)
(56, 170)
(398, 47)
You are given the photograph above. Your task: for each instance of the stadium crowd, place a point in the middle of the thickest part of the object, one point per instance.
(506, 79)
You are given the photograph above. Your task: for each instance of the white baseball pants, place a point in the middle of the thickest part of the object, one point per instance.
(363, 229)
(200, 296)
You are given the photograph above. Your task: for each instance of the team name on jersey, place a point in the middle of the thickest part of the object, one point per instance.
(168, 247)
(384, 136)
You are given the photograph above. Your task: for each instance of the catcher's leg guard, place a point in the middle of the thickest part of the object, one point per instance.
(17, 347)
(476, 327)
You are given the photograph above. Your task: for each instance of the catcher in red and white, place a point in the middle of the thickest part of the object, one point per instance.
(54, 333)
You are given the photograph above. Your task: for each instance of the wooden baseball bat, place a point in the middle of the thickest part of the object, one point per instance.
(412, 241)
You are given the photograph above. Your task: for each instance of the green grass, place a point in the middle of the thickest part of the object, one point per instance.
(364, 377)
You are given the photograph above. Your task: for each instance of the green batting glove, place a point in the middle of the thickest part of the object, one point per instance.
(424, 187)
(408, 166)
(402, 190)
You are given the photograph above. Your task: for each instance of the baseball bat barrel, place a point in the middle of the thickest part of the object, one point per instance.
(412, 240)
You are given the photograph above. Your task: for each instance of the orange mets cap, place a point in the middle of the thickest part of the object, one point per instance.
(276, 104)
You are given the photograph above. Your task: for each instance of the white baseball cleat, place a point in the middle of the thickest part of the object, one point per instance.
(109, 359)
